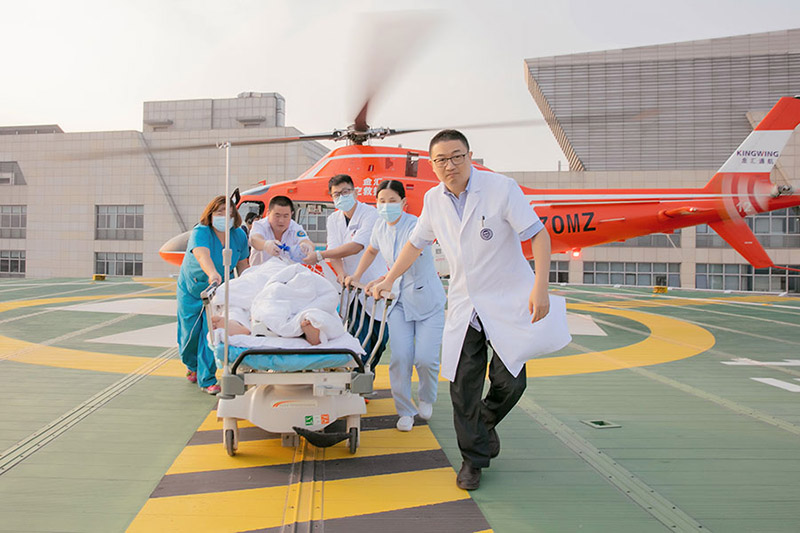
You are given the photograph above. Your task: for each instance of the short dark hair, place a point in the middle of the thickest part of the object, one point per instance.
(396, 186)
(283, 201)
(338, 179)
(448, 135)
(216, 203)
(250, 217)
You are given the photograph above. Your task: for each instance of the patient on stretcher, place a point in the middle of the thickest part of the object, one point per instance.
(235, 327)
(274, 299)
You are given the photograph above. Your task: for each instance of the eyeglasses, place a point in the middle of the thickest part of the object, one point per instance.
(336, 195)
(456, 159)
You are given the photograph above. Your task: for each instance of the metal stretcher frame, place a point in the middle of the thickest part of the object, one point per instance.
(306, 403)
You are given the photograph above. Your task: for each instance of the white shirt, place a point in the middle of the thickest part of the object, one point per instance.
(488, 271)
(291, 237)
(359, 230)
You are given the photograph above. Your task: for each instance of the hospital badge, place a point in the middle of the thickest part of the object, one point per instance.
(486, 234)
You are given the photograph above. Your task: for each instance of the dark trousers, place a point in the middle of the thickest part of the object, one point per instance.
(473, 416)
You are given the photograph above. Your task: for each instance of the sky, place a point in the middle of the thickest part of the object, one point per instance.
(88, 65)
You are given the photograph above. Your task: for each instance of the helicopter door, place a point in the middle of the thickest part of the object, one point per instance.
(313, 216)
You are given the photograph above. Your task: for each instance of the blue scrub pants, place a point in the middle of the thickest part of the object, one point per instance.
(192, 334)
(414, 343)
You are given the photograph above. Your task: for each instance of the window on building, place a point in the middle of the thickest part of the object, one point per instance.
(119, 222)
(559, 271)
(12, 263)
(11, 174)
(655, 240)
(718, 276)
(118, 263)
(313, 217)
(776, 229)
(641, 274)
(13, 221)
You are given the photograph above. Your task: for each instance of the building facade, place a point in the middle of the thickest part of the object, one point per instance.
(670, 115)
(77, 204)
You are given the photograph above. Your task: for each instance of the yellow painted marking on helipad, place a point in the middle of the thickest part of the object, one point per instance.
(686, 302)
(244, 510)
(34, 354)
(209, 457)
(8, 306)
(669, 340)
(212, 422)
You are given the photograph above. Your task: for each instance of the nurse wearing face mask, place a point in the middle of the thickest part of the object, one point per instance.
(203, 265)
(349, 233)
(416, 319)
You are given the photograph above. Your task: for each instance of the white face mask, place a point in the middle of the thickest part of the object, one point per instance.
(219, 223)
(345, 202)
(390, 211)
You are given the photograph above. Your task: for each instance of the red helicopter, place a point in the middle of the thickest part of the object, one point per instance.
(575, 218)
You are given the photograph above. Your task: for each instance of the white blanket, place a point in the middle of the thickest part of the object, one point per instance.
(273, 298)
(295, 294)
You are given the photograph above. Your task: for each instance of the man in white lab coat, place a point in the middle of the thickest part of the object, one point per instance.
(480, 220)
(349, 233)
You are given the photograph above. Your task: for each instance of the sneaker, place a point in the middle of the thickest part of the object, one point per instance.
(405, 423)
(425, 410)
(191, 376)
(468, 478)
(211, 389)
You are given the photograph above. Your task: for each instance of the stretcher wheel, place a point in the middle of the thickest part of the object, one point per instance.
(353, 440)
(230, 445)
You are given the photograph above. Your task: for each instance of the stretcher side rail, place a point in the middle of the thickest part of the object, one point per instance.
(387, 296)
(296, 351)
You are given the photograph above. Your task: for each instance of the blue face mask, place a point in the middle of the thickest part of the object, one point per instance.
(219, 223)
(390, 212)
(345, 202)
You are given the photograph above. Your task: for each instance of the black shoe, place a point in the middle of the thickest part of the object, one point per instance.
(469, 478)
(494, 443)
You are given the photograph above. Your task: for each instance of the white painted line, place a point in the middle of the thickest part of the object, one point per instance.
(584, 325)
(744, 361)
(791, 387)
(164, 336)
(138, 306)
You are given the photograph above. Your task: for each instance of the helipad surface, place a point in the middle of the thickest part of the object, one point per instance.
(101, 431)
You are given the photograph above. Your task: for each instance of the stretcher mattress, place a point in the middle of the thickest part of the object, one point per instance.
(288, 362)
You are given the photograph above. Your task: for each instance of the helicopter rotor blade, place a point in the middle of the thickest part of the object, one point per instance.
(334, 135)
(579, 119)
(393, 39)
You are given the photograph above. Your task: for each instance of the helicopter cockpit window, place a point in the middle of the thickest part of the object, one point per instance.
(313, 217)
(251, 207)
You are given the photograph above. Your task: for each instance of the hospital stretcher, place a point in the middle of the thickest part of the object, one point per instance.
(315, 392)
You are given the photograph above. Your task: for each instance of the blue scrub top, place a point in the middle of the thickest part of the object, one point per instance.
(421, 294)
(192, 279)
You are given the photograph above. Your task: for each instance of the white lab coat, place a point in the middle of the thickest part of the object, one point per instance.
(359, 230)
(488, 271)
(291, 237)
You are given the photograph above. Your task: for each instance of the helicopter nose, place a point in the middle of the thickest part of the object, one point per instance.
(174, 249)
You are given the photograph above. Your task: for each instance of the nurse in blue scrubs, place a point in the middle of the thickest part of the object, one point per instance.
(416, 320)
(203, 265)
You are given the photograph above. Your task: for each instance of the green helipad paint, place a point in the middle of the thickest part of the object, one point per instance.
(700, 442)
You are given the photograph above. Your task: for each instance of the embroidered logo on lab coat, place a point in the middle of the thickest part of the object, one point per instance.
(486, 234)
